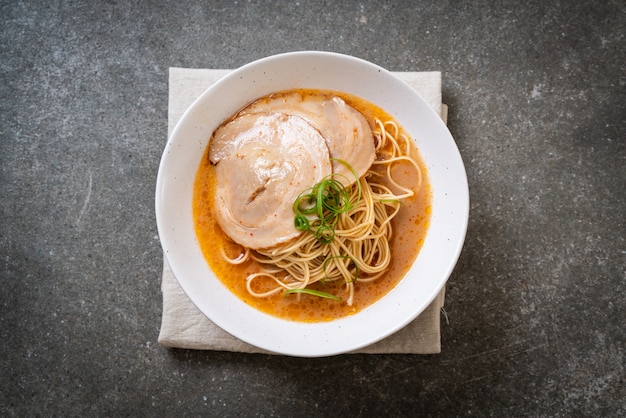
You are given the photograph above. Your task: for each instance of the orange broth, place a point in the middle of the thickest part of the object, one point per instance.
(409, 230)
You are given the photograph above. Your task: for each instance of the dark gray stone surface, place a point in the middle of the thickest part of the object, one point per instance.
(535, 307)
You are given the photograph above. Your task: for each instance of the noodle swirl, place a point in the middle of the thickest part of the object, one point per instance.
(360, 251)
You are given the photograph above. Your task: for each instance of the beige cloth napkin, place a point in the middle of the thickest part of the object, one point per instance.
(184, 326)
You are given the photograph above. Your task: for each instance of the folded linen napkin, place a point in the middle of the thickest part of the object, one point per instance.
(184, 326)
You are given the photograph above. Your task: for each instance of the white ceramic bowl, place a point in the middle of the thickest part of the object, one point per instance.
(319, 70)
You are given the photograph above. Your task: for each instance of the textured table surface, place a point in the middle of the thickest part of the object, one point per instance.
(535, 308)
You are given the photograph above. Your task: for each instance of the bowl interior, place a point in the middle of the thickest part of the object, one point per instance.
(318, 70)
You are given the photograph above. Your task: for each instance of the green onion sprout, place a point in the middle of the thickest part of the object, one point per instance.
(312, 292)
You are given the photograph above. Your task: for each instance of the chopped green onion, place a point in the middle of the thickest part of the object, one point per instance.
(301, 222)
(317, 209)
(312, 292)
(353, 171)
(325, 234)
(305, 204)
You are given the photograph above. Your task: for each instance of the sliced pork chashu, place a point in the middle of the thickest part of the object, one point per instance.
(347, 133)
(263, 162)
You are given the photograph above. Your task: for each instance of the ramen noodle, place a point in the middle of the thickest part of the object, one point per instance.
(311, 205)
